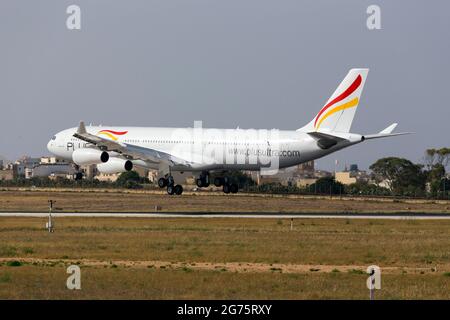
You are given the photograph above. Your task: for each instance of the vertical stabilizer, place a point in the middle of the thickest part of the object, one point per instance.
(338, 112)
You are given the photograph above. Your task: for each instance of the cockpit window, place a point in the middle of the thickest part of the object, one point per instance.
(54, 138)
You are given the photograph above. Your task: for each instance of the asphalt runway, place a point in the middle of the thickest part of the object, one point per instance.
(210, 215)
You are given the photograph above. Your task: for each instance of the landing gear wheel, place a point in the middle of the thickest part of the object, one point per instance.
(234, 188)
(226, 188)
(170, 190)
(178, 189)
(170, 181)
(218, 182)
(203, 180)
(78, 176)
(162, 182)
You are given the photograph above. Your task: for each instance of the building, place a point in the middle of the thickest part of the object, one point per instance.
(23, 166)
(52, 160)
(322, 174)
(345, 177)
(143, 172)
(350, 177)
(286, 176)
(305, 182)
(111, 177)
(7, 174)
(306, 169)
(50, 170)
(90, 171)
(28, 167)
(152, 176)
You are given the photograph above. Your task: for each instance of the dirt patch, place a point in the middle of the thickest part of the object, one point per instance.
(73, 200)
(238, 267)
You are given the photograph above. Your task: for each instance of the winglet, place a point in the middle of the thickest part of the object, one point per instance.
(81, 128)
(389, 129)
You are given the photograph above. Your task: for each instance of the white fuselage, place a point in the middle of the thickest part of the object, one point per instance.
(207, 149)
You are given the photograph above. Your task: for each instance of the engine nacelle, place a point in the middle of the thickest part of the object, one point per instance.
(88, 156)
(115, 165)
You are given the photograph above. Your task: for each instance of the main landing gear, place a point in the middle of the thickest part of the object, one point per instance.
(224, 182)
(170, 184)
(203, 181)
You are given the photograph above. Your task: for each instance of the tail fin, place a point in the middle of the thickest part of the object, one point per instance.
(337, 114)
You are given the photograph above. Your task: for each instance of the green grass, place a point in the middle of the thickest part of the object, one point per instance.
(14, 263)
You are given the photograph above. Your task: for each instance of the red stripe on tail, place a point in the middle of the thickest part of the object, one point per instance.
(342, 96)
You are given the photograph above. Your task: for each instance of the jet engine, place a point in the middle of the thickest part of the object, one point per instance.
(115, 165)
(88, 156)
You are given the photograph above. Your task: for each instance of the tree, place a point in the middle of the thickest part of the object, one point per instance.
(401, 175)
(437, 157)
(327, 185)
(437, 179)
(436, 160)
(364, 188)
(130, 180)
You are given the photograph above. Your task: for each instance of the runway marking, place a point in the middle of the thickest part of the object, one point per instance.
(240, 215)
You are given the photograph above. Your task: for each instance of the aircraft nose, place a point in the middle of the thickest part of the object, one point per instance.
(50, 146)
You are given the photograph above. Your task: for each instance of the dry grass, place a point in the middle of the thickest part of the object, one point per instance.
(247, 258)
(32, 282)
(76, 200)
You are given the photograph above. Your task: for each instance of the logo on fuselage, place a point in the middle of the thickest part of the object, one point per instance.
(112, 134)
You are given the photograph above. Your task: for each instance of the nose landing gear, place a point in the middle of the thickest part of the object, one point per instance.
(178, 189)
(78, 175)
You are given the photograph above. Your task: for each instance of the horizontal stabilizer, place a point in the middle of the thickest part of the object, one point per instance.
(386, 133)
(325, 141)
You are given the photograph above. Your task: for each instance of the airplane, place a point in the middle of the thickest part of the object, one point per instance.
(219, 151)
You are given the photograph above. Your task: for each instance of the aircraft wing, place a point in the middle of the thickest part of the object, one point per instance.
(129, 151)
